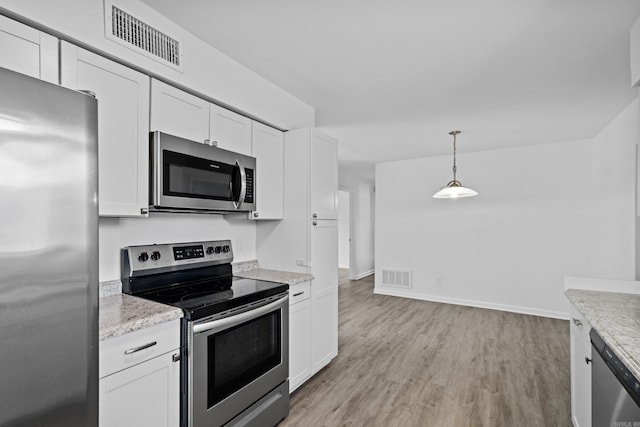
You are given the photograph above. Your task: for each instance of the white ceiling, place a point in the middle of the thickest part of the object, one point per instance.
(391, 79)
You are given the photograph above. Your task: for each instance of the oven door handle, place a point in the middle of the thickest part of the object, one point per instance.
(227, 322)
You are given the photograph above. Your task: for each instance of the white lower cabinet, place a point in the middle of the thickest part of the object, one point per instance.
(143, 395)
(299, 335)
(140, 378)
(580, 370)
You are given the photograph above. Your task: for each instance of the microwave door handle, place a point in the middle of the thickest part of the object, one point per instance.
(243, 186)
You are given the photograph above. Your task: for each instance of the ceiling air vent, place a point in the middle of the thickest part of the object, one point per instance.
(397, 278)
(130, 31)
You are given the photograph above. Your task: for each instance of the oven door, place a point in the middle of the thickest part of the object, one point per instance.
(237, 360)
(187, 175)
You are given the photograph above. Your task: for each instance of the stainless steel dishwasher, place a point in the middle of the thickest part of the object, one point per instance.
(615, 392)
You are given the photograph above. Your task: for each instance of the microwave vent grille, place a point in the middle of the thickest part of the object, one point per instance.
(397, 278)
(126, 29)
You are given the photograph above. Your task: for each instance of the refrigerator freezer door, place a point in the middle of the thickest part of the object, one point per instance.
(48, 254)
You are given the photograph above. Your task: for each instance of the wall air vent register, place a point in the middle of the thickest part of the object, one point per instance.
(397, 278)
(132, 32)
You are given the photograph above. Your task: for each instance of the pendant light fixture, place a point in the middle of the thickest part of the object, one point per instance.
(454, 189)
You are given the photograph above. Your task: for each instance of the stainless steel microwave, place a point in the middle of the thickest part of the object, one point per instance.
(189, 176)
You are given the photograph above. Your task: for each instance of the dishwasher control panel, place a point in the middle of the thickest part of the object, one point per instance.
(628, 380)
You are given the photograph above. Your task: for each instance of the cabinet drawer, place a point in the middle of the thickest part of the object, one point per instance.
(299, 292)
(136, 347)
(579, 323)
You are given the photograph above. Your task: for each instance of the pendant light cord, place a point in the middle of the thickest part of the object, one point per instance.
(455, 168)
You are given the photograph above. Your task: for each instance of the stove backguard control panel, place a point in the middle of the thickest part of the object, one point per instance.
(143, 258)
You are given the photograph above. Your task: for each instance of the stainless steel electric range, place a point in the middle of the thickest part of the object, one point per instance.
(235, 357)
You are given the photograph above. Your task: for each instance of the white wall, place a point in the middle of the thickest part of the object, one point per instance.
(344, 213)
(115, 233)
(359, 180)
(613, 218)
(509, 248)
(206, 70)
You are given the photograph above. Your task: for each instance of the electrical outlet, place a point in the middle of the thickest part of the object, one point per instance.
(439, 280)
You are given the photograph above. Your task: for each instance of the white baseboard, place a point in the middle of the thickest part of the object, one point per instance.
(472, 303)
(343, 266)
(365, 274)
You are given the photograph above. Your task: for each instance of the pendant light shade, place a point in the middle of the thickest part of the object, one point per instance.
(454, 189)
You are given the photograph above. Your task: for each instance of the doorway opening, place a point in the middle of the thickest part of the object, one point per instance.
(345, 249)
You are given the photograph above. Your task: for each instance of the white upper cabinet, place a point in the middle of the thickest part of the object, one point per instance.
(229, 130)
(268, 149)
(123, 128)
(28, 51)
(178, 113)
(324, 177)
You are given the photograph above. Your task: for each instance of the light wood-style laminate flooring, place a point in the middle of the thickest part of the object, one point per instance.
(404, 362)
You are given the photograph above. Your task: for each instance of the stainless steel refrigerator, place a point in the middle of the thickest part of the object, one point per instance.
(48, 254)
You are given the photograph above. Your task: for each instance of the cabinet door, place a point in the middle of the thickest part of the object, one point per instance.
(324, 293)
(145, 395)
(299, 343)
(123, 129)
(268, 149)
(324, 177)
(178, 113)
(230, 130)
(580, 380)
(28, 51)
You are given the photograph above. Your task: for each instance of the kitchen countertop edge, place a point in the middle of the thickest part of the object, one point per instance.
(121, 313)
(287, 277)
(611, 314)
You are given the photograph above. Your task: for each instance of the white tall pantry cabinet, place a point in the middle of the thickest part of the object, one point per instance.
(306, 239)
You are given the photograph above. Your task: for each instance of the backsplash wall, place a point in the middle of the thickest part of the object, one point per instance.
(116, 233)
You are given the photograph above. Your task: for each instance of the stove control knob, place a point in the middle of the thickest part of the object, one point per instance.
(210, 250)
(155, 255)
(218, 249)
(226, 249)
(143, 257)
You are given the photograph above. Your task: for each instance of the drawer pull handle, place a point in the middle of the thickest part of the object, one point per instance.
(142, 347)
(587, 360)
(577, 322)
(298, 294)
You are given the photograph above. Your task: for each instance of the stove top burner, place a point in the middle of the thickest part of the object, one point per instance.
(191, 276)
(200, 300)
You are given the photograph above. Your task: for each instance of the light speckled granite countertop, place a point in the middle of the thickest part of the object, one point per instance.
(616, 317)
(121, 313)
(251, 270)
